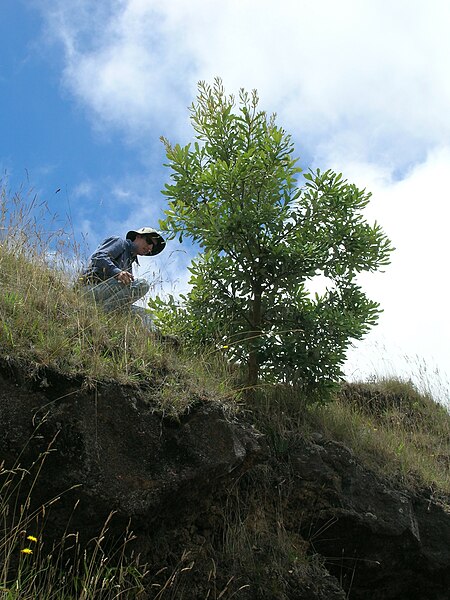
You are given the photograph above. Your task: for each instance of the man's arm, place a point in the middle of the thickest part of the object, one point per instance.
(103, 258)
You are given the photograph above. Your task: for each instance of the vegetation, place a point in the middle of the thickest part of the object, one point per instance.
(31, 568)
(397, 431)
(400, 433)
(46, 322)
(264, 241)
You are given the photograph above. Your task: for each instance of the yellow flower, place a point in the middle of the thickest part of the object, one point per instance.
(32, 538)
(27, 551)
(224, 347)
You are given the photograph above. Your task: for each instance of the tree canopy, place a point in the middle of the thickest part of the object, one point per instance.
(265, 241)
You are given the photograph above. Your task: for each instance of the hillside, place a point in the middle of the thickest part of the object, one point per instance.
(141, 474)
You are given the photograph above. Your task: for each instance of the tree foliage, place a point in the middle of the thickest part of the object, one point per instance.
(265, 243)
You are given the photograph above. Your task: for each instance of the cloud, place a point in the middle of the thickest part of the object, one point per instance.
(84, 189)
(367, 77)
(415, 213)
(122, 62)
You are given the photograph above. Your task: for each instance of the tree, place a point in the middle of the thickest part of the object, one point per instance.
(264, 239)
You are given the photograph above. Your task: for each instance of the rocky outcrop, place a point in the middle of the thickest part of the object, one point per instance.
(109, 450)
(211, 502)
(382, 542)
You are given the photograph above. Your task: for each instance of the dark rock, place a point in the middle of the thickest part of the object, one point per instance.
(379, 541)
(122, 455)
(324, 526)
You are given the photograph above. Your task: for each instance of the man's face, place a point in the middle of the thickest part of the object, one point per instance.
(144, 244)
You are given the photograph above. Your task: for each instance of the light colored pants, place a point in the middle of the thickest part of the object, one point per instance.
(113, 295)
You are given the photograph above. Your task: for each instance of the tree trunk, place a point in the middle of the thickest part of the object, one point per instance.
(255, 336)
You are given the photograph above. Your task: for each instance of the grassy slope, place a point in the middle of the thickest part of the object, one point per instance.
(43, 321)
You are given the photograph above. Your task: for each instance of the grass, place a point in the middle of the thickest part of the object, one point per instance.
(399, 432)
(256, 545)
(396, 430)
(30, 568)
(45, 321)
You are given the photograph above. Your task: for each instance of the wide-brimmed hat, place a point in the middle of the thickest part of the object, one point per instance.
(160, 241)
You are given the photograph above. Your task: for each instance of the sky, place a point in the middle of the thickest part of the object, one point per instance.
(363, 86)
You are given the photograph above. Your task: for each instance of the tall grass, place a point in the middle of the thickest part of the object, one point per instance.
(45, 319)
(392, 427)
(32, 567)
(398, 431)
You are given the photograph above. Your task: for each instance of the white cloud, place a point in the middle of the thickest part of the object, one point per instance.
(368, 77)
(121, 62)
(84, 189)
(413, 291)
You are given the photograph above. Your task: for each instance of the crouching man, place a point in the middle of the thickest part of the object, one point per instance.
(109, 274)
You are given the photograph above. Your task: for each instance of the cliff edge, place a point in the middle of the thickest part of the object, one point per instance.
(212, 506)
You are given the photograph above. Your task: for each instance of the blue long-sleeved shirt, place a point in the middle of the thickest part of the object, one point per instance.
(113, 255)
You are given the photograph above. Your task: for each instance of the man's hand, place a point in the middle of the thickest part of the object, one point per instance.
(125, 277)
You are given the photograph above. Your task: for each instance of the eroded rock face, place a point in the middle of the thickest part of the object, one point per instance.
(383, 543)
(173, 481)
(120, 453)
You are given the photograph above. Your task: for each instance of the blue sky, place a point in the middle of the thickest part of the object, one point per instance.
(49, 140)
(87, 89)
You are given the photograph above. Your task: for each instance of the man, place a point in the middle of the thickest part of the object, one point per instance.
(109, 275)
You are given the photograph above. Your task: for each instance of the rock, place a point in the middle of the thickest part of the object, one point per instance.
(209, 503)
(122, 454)
(380, 541)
